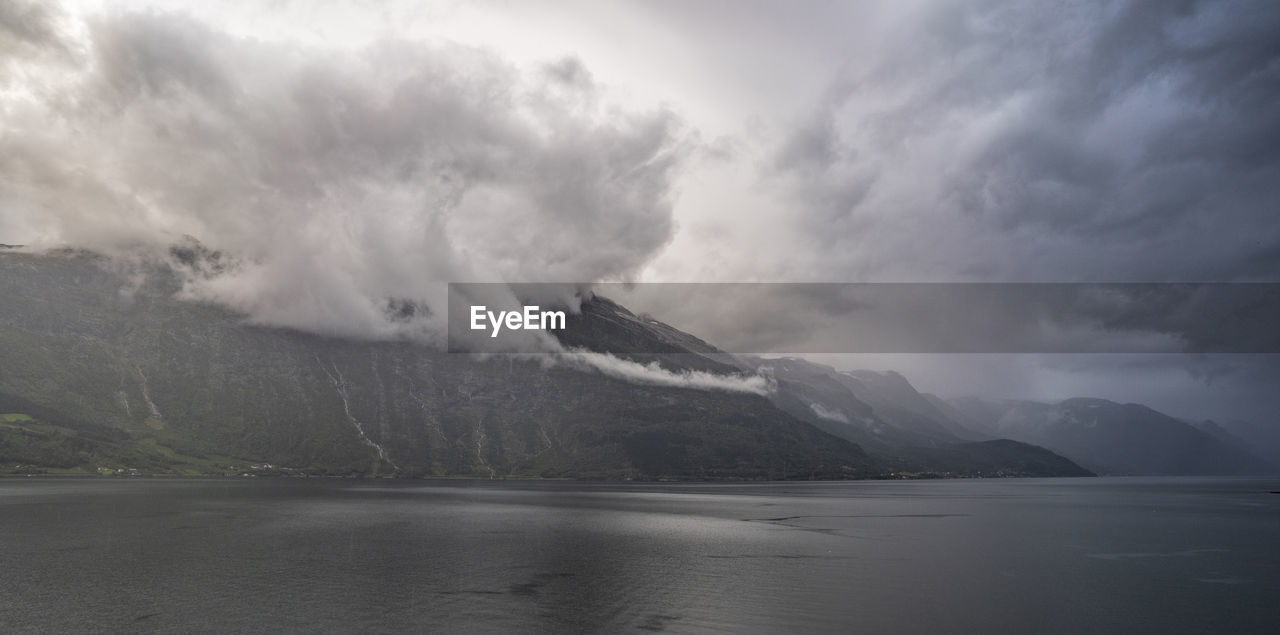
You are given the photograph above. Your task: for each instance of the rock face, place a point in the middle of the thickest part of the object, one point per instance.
(119, 372)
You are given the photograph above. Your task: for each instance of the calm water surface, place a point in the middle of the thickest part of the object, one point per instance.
(1038, 555)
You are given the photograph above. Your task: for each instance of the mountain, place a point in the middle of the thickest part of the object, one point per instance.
(884, 413)
(104, 369)
(1224, 436)
(107, 369)
(1263, 440)
(898, 402)
(1113, 438)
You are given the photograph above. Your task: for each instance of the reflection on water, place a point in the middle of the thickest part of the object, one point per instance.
(1086, 555)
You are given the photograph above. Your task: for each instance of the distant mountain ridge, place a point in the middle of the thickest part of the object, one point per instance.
(1114, 438)
(884, 413)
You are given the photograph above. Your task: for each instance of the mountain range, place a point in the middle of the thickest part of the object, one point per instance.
(104, 371)
(1115, 438)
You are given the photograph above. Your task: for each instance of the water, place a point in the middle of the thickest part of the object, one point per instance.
(1038, 555)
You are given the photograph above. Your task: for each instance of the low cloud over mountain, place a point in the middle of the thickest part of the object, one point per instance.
(331, 181)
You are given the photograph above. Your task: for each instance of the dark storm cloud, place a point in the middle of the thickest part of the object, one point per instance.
(1050, 141)
(1060, 142)
(338, 184)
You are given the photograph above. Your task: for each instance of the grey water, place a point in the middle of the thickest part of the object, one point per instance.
(1116, 555)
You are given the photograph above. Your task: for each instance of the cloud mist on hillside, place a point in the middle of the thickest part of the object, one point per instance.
(333, 183)
(332, 193)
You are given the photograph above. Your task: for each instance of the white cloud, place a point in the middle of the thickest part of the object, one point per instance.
(336, 182)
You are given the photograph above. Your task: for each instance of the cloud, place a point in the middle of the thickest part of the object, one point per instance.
(654, 374)
(1044, 142)
(336, 193)
(28, 29)
(966, 317)
(1050, 142)
(341, 188)
(986, 141)
(830, 415)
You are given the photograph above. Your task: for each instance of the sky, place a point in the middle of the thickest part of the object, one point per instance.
(346, 157)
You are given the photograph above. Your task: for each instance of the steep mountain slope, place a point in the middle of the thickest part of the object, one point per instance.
(1112, 438)
(898, 402)
(958, 417)
(102, 366)
(812, 393)
(98, 350)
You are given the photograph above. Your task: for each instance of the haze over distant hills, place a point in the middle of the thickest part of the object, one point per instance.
(1103, 436)
(107, 369)
(1114, 438)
